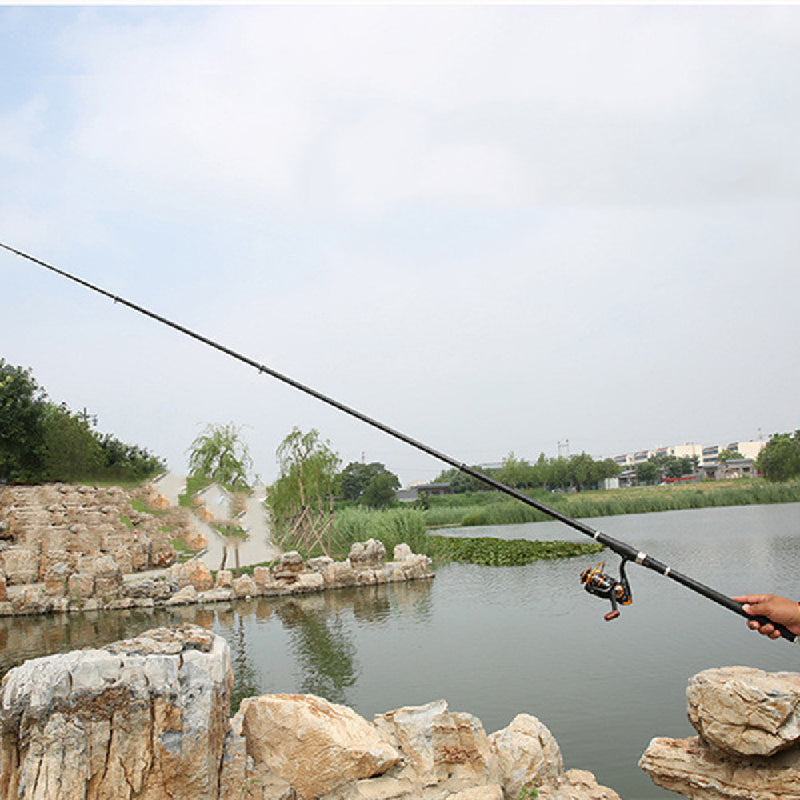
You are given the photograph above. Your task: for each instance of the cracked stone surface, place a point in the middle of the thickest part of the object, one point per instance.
(144, 718)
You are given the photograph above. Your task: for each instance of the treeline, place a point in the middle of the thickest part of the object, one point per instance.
(580, 472)
(780, 458)
(43, 441)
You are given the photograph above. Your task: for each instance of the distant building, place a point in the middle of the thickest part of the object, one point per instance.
(705, 454)
(417, 490)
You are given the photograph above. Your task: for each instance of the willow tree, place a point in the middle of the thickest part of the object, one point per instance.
(301, 500)
(220, 454)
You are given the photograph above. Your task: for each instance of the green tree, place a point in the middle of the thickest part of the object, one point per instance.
(219, 454)
(22, 411)
(71, 450)
(728, 455)
(514, 471)
(380, 491)
(308, 472)
(780, 458)
(646, 472)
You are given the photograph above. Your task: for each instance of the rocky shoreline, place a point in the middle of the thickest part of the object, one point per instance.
(193, 583)
(148, 719)
(71, 549)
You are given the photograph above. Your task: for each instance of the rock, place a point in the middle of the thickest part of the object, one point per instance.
(441, 745)
(156, 588)
(313, 744)
(288, 565)
(199, 574)
(244, 586)
(340, 573)
(319, 564)
(183, 597)
(747, 748)
(195, 541)
(490, 792)
(241, 778)
(693, 769)
(215, 595)
(193, 573)
(143, 718)
(20, 564)
(3, 589)
(263, 578)
(745, 711)
(367, 555)
(526, 751)
(80, 585)
(402, 552)
(56, 580)
(310, 581)
(29, 600)
(225, 578)
(576, 784)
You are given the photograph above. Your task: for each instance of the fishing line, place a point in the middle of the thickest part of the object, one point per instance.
(595, 581)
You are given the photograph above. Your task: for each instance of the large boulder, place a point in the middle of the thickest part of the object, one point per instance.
(143, 718)
(575, 784)
(527, 752)
(367, 555)
(693, 769)
(313, 744)
(745, 711)
(747, 747)
(442, 746)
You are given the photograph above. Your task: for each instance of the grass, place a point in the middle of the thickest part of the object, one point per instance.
(194, 484)
(638, 500)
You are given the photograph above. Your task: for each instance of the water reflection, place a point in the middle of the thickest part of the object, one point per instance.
(316, 653)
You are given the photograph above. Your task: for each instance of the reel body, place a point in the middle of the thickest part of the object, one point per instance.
(601, 584)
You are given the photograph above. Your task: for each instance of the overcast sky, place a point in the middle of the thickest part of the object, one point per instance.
(494, 228)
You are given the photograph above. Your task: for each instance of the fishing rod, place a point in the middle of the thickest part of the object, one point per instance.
(595, 581)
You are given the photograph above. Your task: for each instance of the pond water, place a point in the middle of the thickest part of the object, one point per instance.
(496, 641)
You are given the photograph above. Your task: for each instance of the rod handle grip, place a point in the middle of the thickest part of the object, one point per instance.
(782, 629)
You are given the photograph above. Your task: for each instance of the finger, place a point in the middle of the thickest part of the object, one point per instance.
(753, 625)
(767, 630)
(775, 635)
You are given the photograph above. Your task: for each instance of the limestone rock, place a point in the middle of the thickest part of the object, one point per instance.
(183, 597)
(21, 565)
(402, 552)
(441, 745)
(225, 578)
(693, 769)
(244, 586)
(56, 580)
(288, 565)
(526, 751)
(143, 718)
(367, 555)
(3, 589)
(80, 585)
(576, 784)
(745, 711)
(313, 744)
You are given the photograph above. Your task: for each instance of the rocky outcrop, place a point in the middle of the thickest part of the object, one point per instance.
(313, 745)
(69, 527)
(748, 743)
(143, 718)
(147, 719)
(99, 582)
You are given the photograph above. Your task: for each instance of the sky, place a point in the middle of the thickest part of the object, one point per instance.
(494, 228)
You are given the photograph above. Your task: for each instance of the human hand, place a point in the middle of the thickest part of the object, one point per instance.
(778, 609)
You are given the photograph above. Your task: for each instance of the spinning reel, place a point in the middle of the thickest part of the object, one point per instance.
(600, 584)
